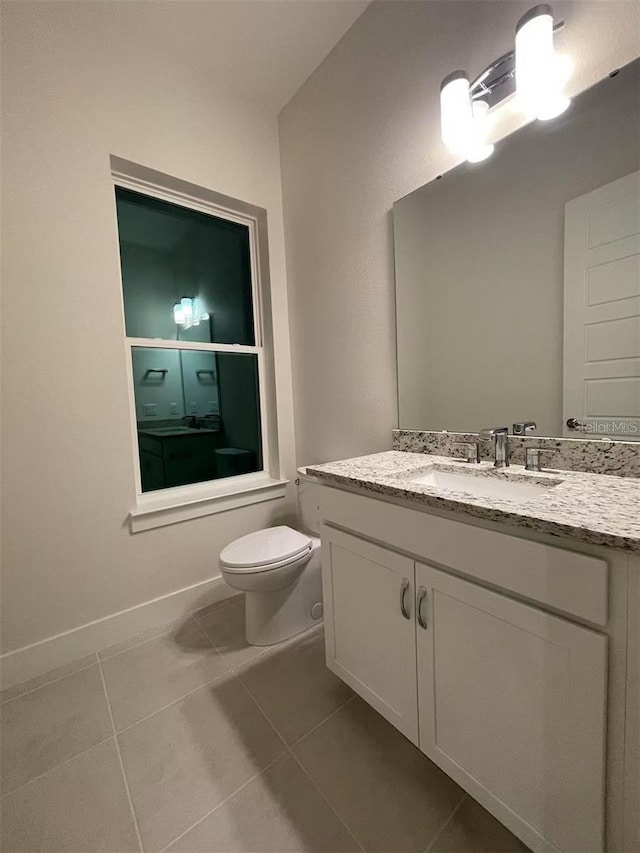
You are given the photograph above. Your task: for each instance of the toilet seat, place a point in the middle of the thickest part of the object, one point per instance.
(264, 550)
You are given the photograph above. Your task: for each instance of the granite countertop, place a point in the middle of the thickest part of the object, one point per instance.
(598, 509)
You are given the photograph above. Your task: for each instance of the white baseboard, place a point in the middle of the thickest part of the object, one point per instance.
(29, 661)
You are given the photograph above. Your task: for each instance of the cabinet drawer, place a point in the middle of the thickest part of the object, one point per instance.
(564, 580)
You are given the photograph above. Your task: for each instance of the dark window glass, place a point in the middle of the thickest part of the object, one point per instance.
(198, 415)
(168, 254)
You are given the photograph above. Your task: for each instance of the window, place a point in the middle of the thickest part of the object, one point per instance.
(193, 325)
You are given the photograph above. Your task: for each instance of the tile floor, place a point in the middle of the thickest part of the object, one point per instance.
(187, 739)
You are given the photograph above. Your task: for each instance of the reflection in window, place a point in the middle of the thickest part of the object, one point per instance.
(197, 414)
(186, 279)
(172, 256)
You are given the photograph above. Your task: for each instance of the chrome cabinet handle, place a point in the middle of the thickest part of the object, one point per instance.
(403, 592)
(422, 594)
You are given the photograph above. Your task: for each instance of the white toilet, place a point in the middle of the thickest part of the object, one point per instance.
(280, 573)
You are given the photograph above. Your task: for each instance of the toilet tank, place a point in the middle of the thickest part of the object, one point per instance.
(308, 510)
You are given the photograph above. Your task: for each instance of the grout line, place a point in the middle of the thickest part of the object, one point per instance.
(261, 709)
(175, 701)
(51, 769)
(446, 823)
(219, 605)
(223, 802)
(167, 628)
(322, 722)
(275, 648)
(122, 770)
(49, 683)
(299, 763)
(321, 793)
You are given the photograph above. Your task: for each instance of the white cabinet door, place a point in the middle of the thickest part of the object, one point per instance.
(512, 706)
(369, 625)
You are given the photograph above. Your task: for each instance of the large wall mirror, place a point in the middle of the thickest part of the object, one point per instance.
(518, 278)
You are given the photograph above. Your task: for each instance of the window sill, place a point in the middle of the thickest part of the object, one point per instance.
(171, 506)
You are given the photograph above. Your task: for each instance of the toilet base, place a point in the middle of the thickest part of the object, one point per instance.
(277, 615)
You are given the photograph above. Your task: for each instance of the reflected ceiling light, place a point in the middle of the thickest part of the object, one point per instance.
(540, 73)
(188, 313)
(186, 303)
(178, 314)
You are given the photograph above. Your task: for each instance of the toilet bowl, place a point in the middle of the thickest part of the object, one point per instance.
(280, 572)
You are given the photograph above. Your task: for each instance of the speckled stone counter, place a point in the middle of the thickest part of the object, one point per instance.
(591, 508)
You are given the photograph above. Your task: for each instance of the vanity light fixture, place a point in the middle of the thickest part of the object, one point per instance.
(187, 310)
(533, 69)
(465, 122)
(479, 146)
(455, 111)
(540, 72)
(178, 314)
(187, 313)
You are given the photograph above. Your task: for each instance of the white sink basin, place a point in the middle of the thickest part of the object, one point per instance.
(482, 487)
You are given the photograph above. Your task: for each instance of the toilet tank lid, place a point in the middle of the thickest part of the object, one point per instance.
(264, 547)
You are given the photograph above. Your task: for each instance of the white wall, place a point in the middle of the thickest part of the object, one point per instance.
(362, 132)
(76, 89)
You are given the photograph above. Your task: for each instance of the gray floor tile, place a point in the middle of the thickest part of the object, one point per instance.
(47, 678)
(294, 687)
(184, 760)
(159, 671)
(203, 612)
(40, 730)
(225, 627)
(80, 807)
(279, 812)
(142, 637)
(473, 830)
(389, 795)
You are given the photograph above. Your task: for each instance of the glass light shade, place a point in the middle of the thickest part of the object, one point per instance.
(196, 312)
(479, 147)
(455, 112)
(539, 74)
(186, 304)
(178, 314)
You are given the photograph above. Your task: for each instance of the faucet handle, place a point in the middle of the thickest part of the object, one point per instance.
(523, 427)
(472, 451)
(532, 457)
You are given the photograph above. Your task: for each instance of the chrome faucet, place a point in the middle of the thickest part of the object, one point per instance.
(500, 445)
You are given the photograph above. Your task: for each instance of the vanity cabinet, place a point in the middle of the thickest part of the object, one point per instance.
(370, 634)
(507, 698)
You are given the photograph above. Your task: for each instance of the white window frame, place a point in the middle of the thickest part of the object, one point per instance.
(180, 503)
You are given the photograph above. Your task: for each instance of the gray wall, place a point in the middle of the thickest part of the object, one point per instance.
(361, 133)
(480, 267)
